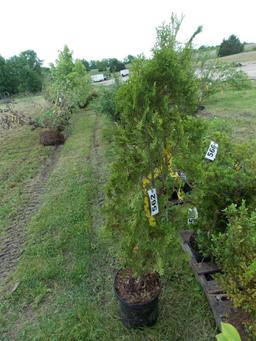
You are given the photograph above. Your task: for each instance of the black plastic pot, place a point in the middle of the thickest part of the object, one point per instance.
(137, 315)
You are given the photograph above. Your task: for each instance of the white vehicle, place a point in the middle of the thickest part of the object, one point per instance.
(124, 73)
(98, 78)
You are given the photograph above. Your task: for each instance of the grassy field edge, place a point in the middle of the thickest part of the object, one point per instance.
(66, 273)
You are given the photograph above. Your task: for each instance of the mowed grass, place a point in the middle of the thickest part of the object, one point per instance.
(29, 105)
(237, 109)
(21, 158)
(66, 274)
(241, 57)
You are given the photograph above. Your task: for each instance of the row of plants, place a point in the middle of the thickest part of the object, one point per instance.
(160, 172)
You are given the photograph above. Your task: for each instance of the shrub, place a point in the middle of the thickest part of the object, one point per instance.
(107, 102)
(156, 105)
(216, 185)
(68, 87)
(229, 46)
(54, 118)
(235, 252)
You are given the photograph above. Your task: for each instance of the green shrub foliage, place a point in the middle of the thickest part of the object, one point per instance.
(156, 105)
(235, 251)
(107, 102)
(68, 86)
(229, 46)
(225, 228)
(216, 185)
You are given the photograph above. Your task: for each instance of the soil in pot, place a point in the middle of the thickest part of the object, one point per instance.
(138, 298)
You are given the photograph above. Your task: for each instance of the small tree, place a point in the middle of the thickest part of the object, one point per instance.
(229, 46)
(156, 106)
(68, 86)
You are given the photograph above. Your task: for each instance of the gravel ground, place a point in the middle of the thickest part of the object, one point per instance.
(250, 69)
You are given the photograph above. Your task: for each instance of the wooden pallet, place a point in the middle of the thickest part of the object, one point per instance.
(219, 302)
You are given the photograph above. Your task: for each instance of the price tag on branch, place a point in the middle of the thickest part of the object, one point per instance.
(212, 151)
(192, 215)
(153, 201)
(183, 176)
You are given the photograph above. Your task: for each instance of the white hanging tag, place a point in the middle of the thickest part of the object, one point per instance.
(212, 151)
(192, 215)
(153, 201)
(183, 176)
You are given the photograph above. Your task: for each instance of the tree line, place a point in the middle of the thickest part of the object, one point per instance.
(21, 73)
(229, 46)
(24, 72)
(107, 64)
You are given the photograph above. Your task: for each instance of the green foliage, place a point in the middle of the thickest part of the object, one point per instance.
(229, 46)
(155, 104)
(86, 64)
(53, 118)
(20, 74)
(107, 64)
(68, 86)
(115, 65)
(228, 333)
(216, 185)
(129, 59)
(69, 82)
(107, 102)
(235, 251)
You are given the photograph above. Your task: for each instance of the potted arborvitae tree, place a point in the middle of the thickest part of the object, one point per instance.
(156, 106)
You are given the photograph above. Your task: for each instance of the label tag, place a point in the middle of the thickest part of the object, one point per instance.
(192, 215)
(183, 176)
(212, 151)
(153, 201)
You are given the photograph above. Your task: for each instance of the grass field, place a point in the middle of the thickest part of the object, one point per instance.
(64, 279)
(66, 273)
(237, 109)
(30, 105)
(241, 57)
(21, 158)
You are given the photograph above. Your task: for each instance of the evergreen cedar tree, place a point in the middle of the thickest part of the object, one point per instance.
(230, 46)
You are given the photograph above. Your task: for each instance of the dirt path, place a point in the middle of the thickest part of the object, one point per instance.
(96, 160)
(11, 247)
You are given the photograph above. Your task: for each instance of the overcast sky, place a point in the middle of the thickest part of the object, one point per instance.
(96, 29)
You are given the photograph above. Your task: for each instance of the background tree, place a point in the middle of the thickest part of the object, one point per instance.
(229, 46)
(115, 65)
(3, 76)
(68, 85)
(102, 65)
(22, 73)
(129, 59)
(92, 64)
(86, 64)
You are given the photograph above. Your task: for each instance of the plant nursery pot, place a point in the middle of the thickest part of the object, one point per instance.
(137, 315)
